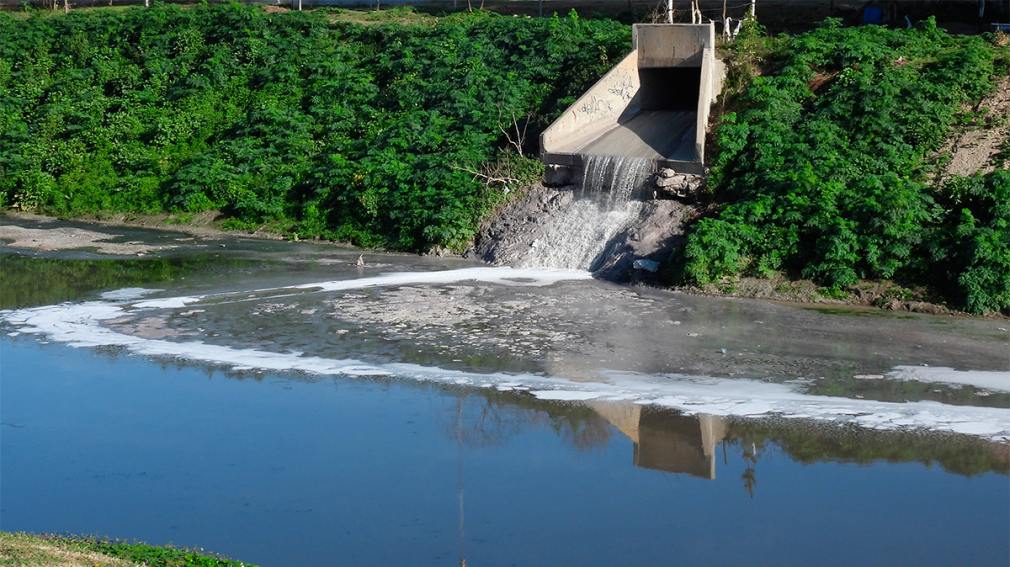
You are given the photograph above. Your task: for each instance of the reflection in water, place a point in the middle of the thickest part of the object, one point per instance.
(667, 441)
(672, 442)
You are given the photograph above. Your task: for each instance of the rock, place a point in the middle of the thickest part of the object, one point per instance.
(895, 305)
(647, 265)
(924, 307)
(672, 181)
(666, 172)
(673, 185)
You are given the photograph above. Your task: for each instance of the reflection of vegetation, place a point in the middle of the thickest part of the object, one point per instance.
(26, 281)
(809, 443)
(749, 476)
(901, 391)
(492, 416)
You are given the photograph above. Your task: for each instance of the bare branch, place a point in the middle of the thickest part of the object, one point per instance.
(518, 140)
(489, 178)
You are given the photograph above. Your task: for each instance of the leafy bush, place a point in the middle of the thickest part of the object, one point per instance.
(971, 249)
(821, 168)
(359, 132)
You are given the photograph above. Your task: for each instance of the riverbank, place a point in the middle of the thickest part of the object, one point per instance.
(815, 195)
(39, 233)
(18, 549)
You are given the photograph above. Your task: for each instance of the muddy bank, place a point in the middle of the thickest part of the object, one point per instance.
(207, 224)
(70, 238)
(872, 295)
(640, 255)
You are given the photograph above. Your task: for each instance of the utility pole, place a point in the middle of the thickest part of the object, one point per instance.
(725, 21)
(669, 11)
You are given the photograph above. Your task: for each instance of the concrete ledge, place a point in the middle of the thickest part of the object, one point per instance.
(577, 162)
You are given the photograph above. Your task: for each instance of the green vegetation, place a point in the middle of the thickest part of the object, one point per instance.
(821, 169)
(374, 132)
(26, 550)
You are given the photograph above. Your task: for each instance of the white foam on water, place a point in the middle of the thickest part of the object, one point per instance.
(128, 293)
(80, 325)
(503, 275)
(988, 379)
(566, 395)
(167, 302)
(496, 275)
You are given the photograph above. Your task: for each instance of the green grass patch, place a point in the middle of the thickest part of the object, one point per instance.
(29, 550)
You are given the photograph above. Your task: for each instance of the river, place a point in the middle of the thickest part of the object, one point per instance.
(279, 403)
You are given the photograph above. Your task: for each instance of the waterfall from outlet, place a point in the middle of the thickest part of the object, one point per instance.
(605, 206)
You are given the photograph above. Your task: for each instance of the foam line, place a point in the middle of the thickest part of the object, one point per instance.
(80, 325)
(495, 275)
(988, 380)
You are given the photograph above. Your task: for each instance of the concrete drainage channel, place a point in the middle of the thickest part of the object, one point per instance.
(653, 105)
(619, 163)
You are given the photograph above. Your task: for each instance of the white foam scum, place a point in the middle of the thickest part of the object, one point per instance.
(80, 325)
(988, 380)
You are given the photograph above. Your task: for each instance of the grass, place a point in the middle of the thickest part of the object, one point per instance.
(29, 550)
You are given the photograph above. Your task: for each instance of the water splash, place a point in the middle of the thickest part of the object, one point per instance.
(605, 206)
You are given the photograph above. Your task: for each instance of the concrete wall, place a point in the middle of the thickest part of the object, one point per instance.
(597, 110)
(707, 92)
(671, 45)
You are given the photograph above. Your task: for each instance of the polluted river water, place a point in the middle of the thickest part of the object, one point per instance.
(278, 403)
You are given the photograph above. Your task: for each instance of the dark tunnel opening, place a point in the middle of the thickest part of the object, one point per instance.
(670, 88)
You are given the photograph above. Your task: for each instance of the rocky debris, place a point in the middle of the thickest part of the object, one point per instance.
(672, 185)
(637, 254)
(916, 307)
(506, 238)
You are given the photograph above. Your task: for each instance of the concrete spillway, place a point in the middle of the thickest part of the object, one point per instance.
(649, 112)
(652, 105)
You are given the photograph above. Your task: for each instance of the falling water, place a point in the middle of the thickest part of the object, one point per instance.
(604, 207)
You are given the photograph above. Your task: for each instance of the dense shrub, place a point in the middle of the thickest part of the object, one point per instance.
(349, 131)
(971, 249)
(821, 167)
